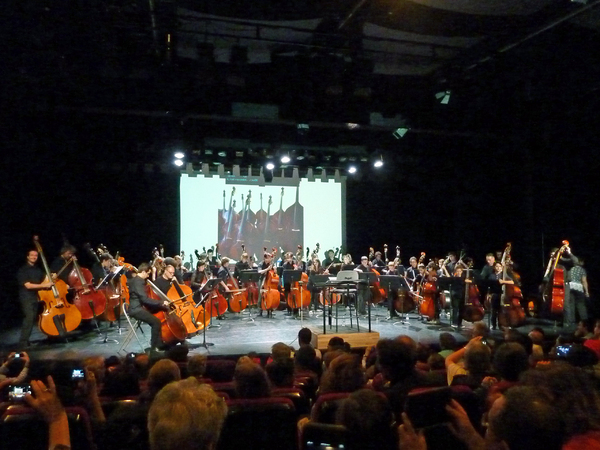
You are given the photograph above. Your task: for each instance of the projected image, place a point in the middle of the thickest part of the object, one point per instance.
(235, 211)
(259, 229)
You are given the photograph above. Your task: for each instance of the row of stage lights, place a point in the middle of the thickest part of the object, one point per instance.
(285, 159)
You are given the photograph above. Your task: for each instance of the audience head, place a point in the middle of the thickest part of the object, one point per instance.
(345, 374)
(477, 358)
(251, 381)
(186, 415)
(306, 359)
(304, 336)
(281, 372)
(510, 361)
(95, 364)
(436, 361)
(480, 329)
(537, 336)
(511, 335)
(281, 351)
(368, 418)
(447, 341)
(396, 358)
(525, 418)
(179, 353)
(335, 343)
(197, 366)
(162, 373)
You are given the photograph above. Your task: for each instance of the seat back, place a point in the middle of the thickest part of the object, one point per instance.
(259, 424)
(296, 395)
(23, 428)
(220, 370)
(321, 436)
(326, 406)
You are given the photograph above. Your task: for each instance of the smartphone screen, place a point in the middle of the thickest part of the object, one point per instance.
(17, 393)
(77, 374)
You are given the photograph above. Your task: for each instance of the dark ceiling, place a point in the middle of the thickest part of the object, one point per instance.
(241, 75)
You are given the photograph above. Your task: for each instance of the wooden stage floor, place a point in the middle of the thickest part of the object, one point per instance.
(237, 334)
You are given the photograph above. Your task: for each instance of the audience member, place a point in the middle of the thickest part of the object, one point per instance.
(447, 344)
(305, 339)
(476, 363)
(369, 420)
(197, 366)
(250, 381)
(162, 373)
(345, 374)
(186, 415)
(18, 365)
(281, 372)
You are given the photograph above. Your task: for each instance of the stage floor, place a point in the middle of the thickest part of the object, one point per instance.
(237, 334)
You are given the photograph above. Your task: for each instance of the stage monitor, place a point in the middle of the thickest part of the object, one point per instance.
(235, 210)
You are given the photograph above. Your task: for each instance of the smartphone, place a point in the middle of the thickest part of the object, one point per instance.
(428, 408)
(78, 374)
(563, 350)
(17, 393)
(17, 355)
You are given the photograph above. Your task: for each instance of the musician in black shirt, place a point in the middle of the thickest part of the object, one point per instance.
(377, 262)
(138, 299)
(495, 291)
(363, 293)
(64, 260)
(165, 280)
(412, 272)
(30, 279)
(242, 264)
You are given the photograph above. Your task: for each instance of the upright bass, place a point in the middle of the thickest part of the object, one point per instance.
(554, 291)
(512, 313)
(59, 316)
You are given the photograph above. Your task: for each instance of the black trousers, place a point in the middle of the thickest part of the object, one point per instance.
(495, 304)
(458, 306)
(30, 310)
(154, 322)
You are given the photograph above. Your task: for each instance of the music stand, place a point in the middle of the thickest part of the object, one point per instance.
(394, 283)
(293, 276)
(208, 288)
(369, 279)
(319, 282)
(250, 276)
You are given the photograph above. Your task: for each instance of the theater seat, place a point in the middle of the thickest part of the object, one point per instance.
(259, 424)
(220, 370)
(296, 395)
(22, 428)
(326, 406)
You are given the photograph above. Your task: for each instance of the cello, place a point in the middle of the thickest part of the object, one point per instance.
(252, 291)
(554, 292)
(511, 311)
(190, 313)
(88, 300)
(299, 297)
(59, 316)
(270, 294)
(172, 329)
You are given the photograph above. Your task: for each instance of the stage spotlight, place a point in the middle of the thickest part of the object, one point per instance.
(285, 159)
(270, 166)
(444, 96)
(352, 169)
(178, 162)
(400, 132)
(179, 155)
(379, 162)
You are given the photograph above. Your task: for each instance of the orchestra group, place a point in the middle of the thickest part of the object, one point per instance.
(179, 301)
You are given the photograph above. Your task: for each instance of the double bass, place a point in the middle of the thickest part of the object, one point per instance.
(473, 310)
(59, 316)
(428, 290)
(191, 314)
(512, 313)
(299, 295)
(554, 292)
(90, 302)
(270, 296)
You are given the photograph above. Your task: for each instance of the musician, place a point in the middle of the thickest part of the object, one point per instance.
(31, 279)
(363, 293)
(315, 269)
(242, 264)
(164, 281)
(288, 264)
(103, 267)
(457, 295)
(452, 262)
(413, 271)
(377, 263)
(495, 293)
(300, 263)
(348, 264)
(64, 260)
(212, 259)
(138, 299)
(158, 266)
(200, 275)
(330, 258)
(178, 264)
(579, 293)
(488, 269)
(390, 269)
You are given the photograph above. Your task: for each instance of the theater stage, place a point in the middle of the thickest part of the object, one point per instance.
(237, 334)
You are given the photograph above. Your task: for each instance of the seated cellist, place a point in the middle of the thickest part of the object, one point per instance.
(138, 298)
